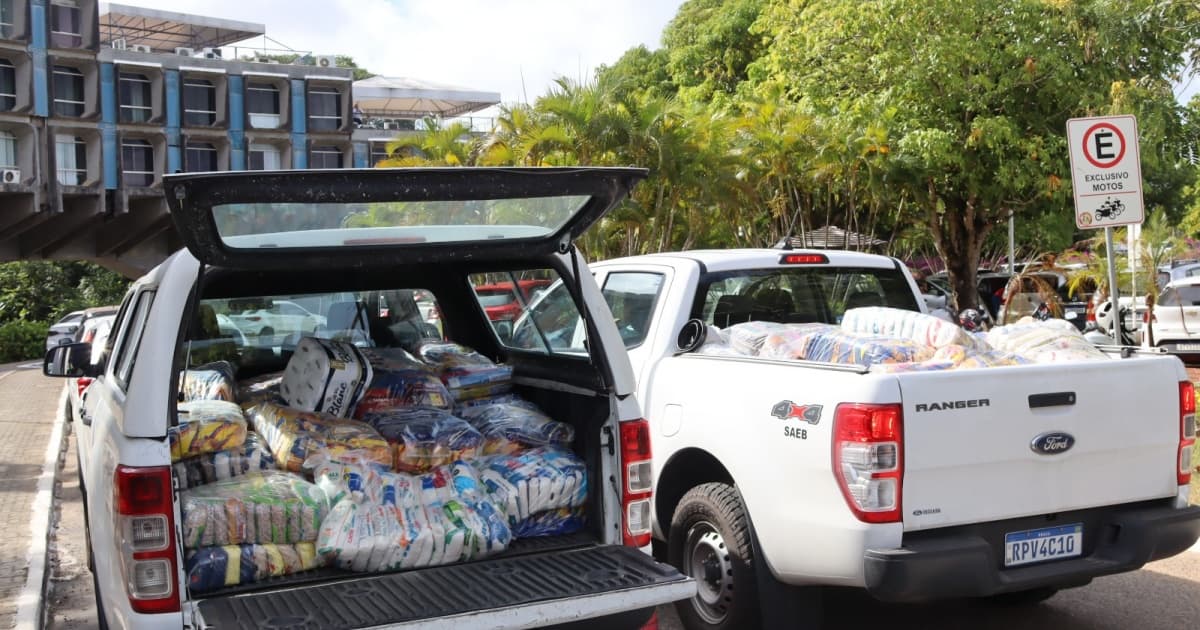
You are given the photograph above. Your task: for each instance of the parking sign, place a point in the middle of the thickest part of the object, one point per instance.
(1106, 171)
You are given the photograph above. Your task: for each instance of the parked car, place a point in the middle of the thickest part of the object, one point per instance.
(95, 332)
(601, 576)
(501, 302)
(278, 317)
(1176, 324)
(912, 485)
(63, 331)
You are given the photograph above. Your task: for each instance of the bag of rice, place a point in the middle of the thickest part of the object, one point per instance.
(206, 426)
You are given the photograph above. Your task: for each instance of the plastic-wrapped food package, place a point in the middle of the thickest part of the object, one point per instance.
(1044, 342)
(991, 358)
(535, 481)
(206, 426)
(325, 375)
(466, 533)
(497, 534)
(954, 357)
(264, 388)
(558, 522)
(401, 380)
(263, 507)
(213, 568)
(829, 344)
(424, 437)
(251, 456)
(747, 338)
(295, 435)
(917, 327)
(509, 427)
(344, 474)
(212, 381)
(466, 373)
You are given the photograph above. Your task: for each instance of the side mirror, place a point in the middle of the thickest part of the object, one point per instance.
(70, 360)
(73, 329)
(691, 336)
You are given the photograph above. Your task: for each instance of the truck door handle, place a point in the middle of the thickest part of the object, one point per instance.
(1052, 399)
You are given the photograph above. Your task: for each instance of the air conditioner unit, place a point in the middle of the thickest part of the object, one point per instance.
(10, 175)
(140, 48)
(118, 44)
(326, 61)
(184, 51)
(212, 53)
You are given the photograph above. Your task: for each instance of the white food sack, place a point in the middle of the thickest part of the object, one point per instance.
(325, 375)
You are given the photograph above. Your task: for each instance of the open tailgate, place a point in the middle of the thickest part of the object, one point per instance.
(506, 592)
(970, 439)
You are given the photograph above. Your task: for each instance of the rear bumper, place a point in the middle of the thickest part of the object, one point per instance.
(968, 561)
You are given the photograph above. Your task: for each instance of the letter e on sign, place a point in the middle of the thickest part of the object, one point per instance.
(1106, 171)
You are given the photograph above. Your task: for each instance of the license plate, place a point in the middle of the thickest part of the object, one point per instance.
(1041, 545)
(1193, 347)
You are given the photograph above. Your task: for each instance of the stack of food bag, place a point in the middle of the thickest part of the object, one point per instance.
(250, 457)
(206, 426)
(542, 491)
(294, 435)
(828, 343)
(917, 327)
(212, 381)
(402, 521)
(955, 357)
(467, 374)
(510, 424)
(325, 375)
(251, 527)
(747, 338)
(212, 568)
(400, 380)
(1044, 342)
(425, 437)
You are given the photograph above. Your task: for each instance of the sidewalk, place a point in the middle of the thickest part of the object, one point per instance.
(28, 402)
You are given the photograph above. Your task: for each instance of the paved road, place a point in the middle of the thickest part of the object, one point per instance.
(1163, 596)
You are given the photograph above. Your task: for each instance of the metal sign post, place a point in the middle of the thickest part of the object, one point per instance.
(1106, 178)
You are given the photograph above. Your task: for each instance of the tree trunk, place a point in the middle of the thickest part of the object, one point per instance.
(959, 232)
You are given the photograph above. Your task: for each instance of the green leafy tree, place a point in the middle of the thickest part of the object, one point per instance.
(980, 102)
(709, 46)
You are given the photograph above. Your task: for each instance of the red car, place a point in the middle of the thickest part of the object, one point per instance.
(500, 302)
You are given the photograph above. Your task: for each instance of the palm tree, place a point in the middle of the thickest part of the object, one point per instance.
(435, 146)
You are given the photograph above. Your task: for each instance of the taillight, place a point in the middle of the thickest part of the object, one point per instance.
(82, 383)
(146, 535)
(637, 483)
(1187, 430)
(868, 459)
(1091, 311)
(89, 335)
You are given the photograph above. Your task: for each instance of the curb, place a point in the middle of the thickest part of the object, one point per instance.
(31, 603)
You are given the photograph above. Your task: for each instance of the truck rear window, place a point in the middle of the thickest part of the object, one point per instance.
(799, 295)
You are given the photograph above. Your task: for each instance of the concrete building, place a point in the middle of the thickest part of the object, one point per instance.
(98, 101)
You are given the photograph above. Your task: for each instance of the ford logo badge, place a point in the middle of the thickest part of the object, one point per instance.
(1052, 443)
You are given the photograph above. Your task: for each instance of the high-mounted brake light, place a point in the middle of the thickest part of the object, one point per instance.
(146, 534)
(868, 459)
(803, 259)
(1187, 430)
(637, 482)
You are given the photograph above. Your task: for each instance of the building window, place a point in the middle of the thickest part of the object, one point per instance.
(65, 24)
(378, 152)
(70, 156)
(199, 103)
(324, 108)
(137, 162)
(68, 91)
(262, 103)
(136, 104)
(264, 157)
(8, 85)
(200, 157)
(8, 149)
(7, 31)
(325, 157)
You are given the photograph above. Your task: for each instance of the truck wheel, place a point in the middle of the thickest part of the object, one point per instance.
(710, 541)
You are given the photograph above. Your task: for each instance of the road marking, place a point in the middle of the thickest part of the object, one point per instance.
(30, 604)
(30, 366)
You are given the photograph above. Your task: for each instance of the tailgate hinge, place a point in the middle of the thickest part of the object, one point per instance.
(606, 439)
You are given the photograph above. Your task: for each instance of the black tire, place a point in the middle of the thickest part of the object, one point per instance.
(711, 541)
(1018, 599)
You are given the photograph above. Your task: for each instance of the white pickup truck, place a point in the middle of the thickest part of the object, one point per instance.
(363, 242)
(1004, 482)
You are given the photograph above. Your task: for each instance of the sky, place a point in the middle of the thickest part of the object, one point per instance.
(514, 47)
